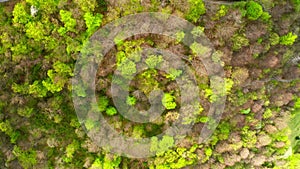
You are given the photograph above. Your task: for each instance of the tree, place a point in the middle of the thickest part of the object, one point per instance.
(69, 22)
(197, 8)
(20, 15)
(92, 22)
(168, 101)
(254, 10)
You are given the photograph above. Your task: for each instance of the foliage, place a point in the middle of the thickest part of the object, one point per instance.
(131, 100)
(37, 89)
(176, 159)
(69, 22)
(20, 15)
(153, 60)
(106, 162)
(138, 131)
(37, 118)
(92, 22)
(111, 111)
(198, 31)
(254, 10)
(296, 5)
(25, 112)
(70, 150)
(26, 158)
(197, 8)
(168, 101)
(46, 6)
(267, 114)
(221, 89)
(103, 102)
(90, 124)
(199, 49)
(294, 161)
(294, 125)
(57, 77)
(248, 137)
(274, 38)
(288, 39)
(173, 73)
(265, 16)
(224, 130)
(246, 111)
(8, 130)
(127, 68)
(239, 41)
(87, 5)
(161, 146)
(179, 36)
(222, 12)
(128, 50)
(148, 81)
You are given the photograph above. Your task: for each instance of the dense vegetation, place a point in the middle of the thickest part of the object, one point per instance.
(256, 42)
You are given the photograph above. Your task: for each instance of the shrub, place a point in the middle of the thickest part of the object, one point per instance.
(288, 39)
(197, 8)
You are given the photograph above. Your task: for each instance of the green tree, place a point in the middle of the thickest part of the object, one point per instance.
(26, 158)
(131, 100)
(153, 60)
(296, 5)
(103, 102)
(111, 111)
(35, 30)
(239, 41)
(46, 6)
(288, 39)
(168, 101)
(69, 22)
(197, 8)
(161, 146)
(127, 68)
(254, 10)
(92, 22)
(20, 15)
